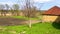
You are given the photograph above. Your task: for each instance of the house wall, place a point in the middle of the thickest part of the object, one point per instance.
(48, 18)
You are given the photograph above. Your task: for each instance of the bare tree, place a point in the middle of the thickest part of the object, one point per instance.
(27, 12)
(27, 8)
(30, 10)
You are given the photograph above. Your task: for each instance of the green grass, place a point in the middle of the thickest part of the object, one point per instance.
(21, 17)
(39, 28)
(26, 18)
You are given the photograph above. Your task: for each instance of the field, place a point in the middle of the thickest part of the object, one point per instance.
(38, 28)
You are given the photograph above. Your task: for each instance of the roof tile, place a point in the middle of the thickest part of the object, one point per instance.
(53, 11)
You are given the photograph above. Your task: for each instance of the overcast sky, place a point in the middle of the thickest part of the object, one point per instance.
(44, 4)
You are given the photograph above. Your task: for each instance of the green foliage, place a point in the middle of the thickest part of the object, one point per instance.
(16, 7)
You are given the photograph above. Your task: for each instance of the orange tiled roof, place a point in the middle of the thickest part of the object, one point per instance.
(53, 11)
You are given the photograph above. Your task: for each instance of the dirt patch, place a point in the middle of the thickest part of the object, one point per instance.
(14, 21)
(11, 21)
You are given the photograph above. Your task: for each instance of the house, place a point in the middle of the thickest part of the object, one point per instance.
(52, 15)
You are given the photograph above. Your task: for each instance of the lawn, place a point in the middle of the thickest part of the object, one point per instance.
(39, 28)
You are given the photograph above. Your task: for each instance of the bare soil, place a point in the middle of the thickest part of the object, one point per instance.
(11, 21)
(14, 21)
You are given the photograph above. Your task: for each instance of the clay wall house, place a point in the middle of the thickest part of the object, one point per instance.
(52, 15)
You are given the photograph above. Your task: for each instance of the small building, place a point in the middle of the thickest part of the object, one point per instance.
(52, 15)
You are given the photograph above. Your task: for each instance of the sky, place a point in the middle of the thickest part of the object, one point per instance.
(40, 4)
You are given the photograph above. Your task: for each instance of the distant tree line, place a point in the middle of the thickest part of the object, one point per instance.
(6, 8)
(15, 10)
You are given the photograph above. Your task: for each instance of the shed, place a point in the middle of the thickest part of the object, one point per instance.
(52, 15)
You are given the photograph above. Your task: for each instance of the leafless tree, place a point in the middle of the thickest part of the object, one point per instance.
(27, 12)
